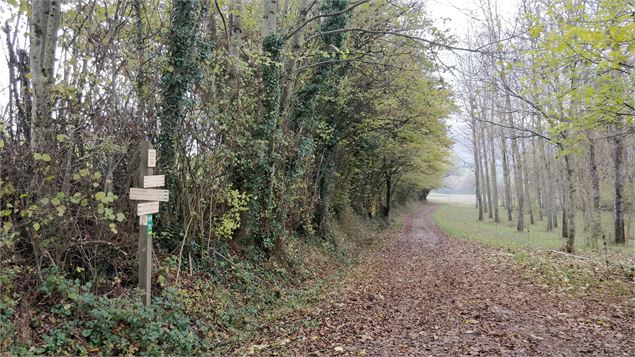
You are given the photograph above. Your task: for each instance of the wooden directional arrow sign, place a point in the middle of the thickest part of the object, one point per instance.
(147, 208)
(145, 194)
(153, 181)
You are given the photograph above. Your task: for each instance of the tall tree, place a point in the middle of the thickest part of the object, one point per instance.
(45, 22)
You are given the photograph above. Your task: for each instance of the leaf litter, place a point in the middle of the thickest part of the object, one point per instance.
(428, 294)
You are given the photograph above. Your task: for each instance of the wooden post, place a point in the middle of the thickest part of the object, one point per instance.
(145, 229)
(150, 204)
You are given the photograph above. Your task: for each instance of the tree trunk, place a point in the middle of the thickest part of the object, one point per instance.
(388, 195)
(570, 217)
(518, 177)
(269, 17)
(538, 180)
(477, 160)
(490, 132)
(563, 199)
(235, 38)
(548, 184)
(45, 22)
(139, 44)
(596, 224)
(24, 68)
(526, 182)
(618, 198)
(291, 64)
(506, 179)
(488, 191)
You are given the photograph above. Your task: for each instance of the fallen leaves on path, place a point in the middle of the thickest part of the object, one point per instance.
(428, 294)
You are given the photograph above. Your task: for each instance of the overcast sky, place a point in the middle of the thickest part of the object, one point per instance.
(457, 16)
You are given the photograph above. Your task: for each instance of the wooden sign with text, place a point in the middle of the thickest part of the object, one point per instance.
(153, 181)
(148, 194)
(152, 158)
(147, 208)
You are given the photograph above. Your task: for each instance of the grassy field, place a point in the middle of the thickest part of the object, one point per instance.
(457, 217)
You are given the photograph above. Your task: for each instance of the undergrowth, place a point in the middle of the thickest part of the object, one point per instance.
(221, 303)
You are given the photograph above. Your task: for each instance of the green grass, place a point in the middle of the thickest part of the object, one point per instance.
(460, 220)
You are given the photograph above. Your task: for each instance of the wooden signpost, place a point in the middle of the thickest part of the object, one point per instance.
(151, 198)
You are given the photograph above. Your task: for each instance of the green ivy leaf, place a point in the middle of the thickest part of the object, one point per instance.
(99, 196)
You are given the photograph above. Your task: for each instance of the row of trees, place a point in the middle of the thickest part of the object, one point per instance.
(550, 104)
(270, 119)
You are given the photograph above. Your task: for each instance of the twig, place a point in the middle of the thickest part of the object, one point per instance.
(187, 231)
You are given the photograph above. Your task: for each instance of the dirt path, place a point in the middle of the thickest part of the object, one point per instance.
(427, 294)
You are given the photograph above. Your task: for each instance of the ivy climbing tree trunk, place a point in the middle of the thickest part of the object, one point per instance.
(177, 81)
(261, 179)
(304, 117)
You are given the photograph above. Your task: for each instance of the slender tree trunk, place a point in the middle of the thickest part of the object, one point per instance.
(506, 179)
(477, 160)
(518, 177)
(388, 195)
(140, 80)
(563, 199)
(596, 224)
(235, 39)
(554, 186)
(570, 217)
(488, 191)
(269, 17)
(618, 198)
(548, 184)
(291, 64)
(490, 131)
(24, 68)
(45, 22)
(526, 182)
(538, 180)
